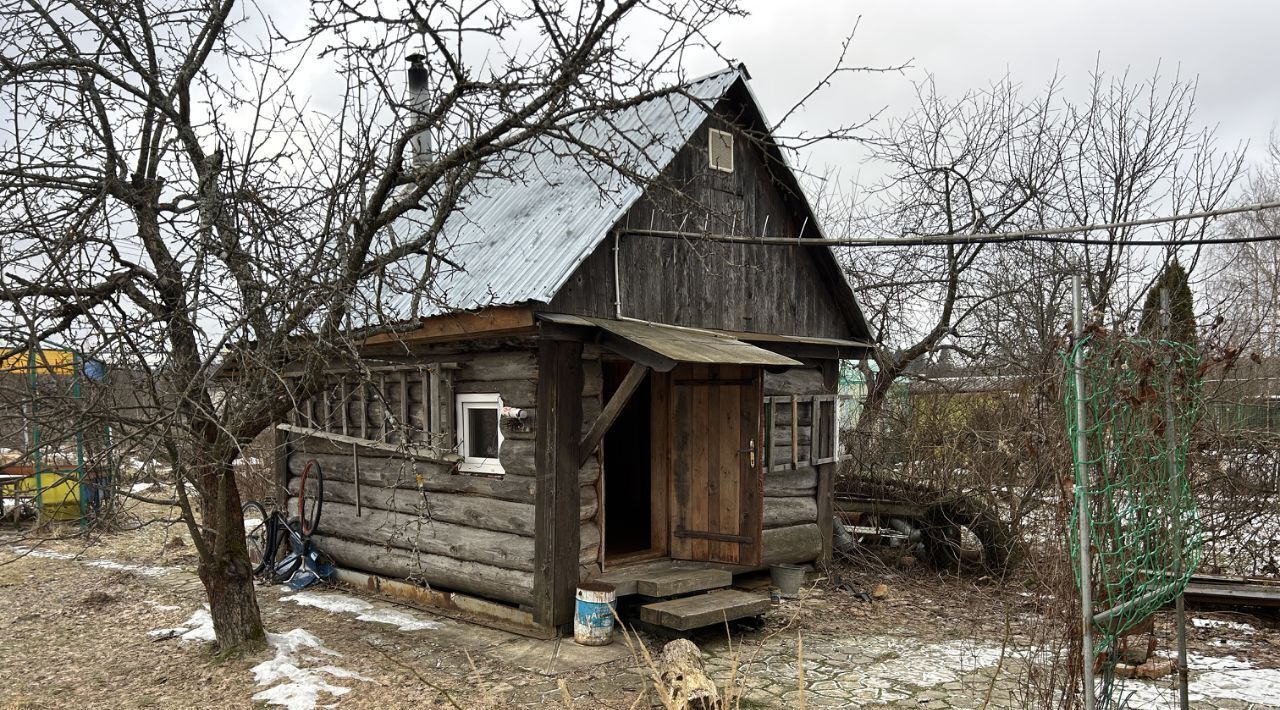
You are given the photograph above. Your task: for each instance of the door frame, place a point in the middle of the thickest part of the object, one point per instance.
(659, 487)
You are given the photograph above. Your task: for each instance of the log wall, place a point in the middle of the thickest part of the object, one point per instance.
(791, 497)
(425, 522)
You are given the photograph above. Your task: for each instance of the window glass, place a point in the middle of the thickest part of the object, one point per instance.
(482, 432)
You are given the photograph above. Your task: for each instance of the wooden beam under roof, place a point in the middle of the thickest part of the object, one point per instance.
(487, 322)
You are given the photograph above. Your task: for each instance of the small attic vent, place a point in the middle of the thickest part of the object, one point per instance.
(720, 150)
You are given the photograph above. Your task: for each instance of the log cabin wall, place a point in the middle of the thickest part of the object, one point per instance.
(734, 287)
(425, 522)
(793, 495)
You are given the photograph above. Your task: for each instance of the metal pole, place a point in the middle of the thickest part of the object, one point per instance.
(1082, 500)
(1175, 518)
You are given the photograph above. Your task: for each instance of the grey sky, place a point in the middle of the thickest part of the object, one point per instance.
(1229, 46)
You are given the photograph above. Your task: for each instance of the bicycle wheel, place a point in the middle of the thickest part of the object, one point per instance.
(310, 497)
(255, 534)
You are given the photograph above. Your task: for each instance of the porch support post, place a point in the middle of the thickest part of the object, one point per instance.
(827, 471)
(559, 424)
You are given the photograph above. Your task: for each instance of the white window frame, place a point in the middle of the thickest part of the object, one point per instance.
(724, 137)
(477, 464)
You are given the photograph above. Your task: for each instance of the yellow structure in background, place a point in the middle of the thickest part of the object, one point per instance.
(56, 489)
(47, 362)
(59, 489)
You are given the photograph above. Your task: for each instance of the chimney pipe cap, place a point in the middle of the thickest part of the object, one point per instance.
(419, 77)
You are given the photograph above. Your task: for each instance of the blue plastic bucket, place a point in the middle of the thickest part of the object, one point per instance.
(593, 617)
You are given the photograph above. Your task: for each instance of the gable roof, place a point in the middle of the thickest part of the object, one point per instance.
(524, 229)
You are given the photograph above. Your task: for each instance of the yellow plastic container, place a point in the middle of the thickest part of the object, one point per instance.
(58, 492)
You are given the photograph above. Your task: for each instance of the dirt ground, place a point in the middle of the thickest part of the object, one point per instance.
(114, 622)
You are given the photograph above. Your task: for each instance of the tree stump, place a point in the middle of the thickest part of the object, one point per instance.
(683, 678)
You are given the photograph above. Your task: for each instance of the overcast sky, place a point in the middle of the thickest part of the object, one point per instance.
(1230, 46)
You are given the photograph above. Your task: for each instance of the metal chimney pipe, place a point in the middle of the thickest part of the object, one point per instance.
(418, 103)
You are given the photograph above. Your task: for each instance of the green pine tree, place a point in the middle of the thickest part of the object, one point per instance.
(1182, 326)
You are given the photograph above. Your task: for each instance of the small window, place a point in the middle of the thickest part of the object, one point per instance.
(720, 150)
(478, 433)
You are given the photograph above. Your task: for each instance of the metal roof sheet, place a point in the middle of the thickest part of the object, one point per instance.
(522, 231)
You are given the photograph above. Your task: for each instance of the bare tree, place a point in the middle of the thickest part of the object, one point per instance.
(1242, 281)
(996, 161)
(171, 205)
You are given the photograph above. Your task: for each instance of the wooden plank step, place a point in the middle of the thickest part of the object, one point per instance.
(624, 579)
(682, 580)
(701, 610)
(665, 580)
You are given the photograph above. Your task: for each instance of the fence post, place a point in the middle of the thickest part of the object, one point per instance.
(1082, 500)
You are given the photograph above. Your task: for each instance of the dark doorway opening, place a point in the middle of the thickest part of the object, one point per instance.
(628, 488)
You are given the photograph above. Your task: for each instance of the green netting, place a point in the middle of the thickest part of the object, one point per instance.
(1145, 536)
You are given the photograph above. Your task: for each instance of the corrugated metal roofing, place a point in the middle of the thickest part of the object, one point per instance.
(522, 233)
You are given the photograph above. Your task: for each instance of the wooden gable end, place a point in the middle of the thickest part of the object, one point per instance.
(734, 287)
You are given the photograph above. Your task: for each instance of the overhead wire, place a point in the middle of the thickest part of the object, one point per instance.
(1049, 235)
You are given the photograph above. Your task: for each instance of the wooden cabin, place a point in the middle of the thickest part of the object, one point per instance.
(606, 392)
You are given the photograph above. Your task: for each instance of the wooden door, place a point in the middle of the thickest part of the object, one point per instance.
(716, 476)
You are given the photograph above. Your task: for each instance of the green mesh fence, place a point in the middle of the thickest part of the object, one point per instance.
(1145, 537)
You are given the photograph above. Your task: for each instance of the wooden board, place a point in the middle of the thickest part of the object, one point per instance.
(701, 610)
(681, 580)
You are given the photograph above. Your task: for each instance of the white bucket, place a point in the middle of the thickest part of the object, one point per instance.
(593, 617)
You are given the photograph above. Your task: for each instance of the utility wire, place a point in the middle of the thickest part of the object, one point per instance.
(1048, 235)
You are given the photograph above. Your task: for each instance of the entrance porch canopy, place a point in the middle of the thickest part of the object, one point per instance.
(661, 347)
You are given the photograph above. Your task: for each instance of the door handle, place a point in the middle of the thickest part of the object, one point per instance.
(751, 450)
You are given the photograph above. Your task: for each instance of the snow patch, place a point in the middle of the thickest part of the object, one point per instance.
(1218, 624)
(364, 611)
(293, 682)
(292, 685)
(1222, 678)
(145, 570)
(1256, 686)
(199, 627)
(1198, 662)
(140, 487)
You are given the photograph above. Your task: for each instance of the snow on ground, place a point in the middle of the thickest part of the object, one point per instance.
(291, 679)
(145, 570)
(1218, 678)
(364, 611)
(1219, 624)
(140, 487)
(292, 685)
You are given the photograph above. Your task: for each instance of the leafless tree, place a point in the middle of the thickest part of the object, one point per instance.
(1242, 281)
(173, 206)
(996, 161)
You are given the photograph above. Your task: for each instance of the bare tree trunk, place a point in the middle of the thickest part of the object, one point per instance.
(232, 603)
(224, 567)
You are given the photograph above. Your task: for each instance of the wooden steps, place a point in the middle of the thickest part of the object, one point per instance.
(682, 596)
(666, 580)
(692, 612)
(677, 581)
